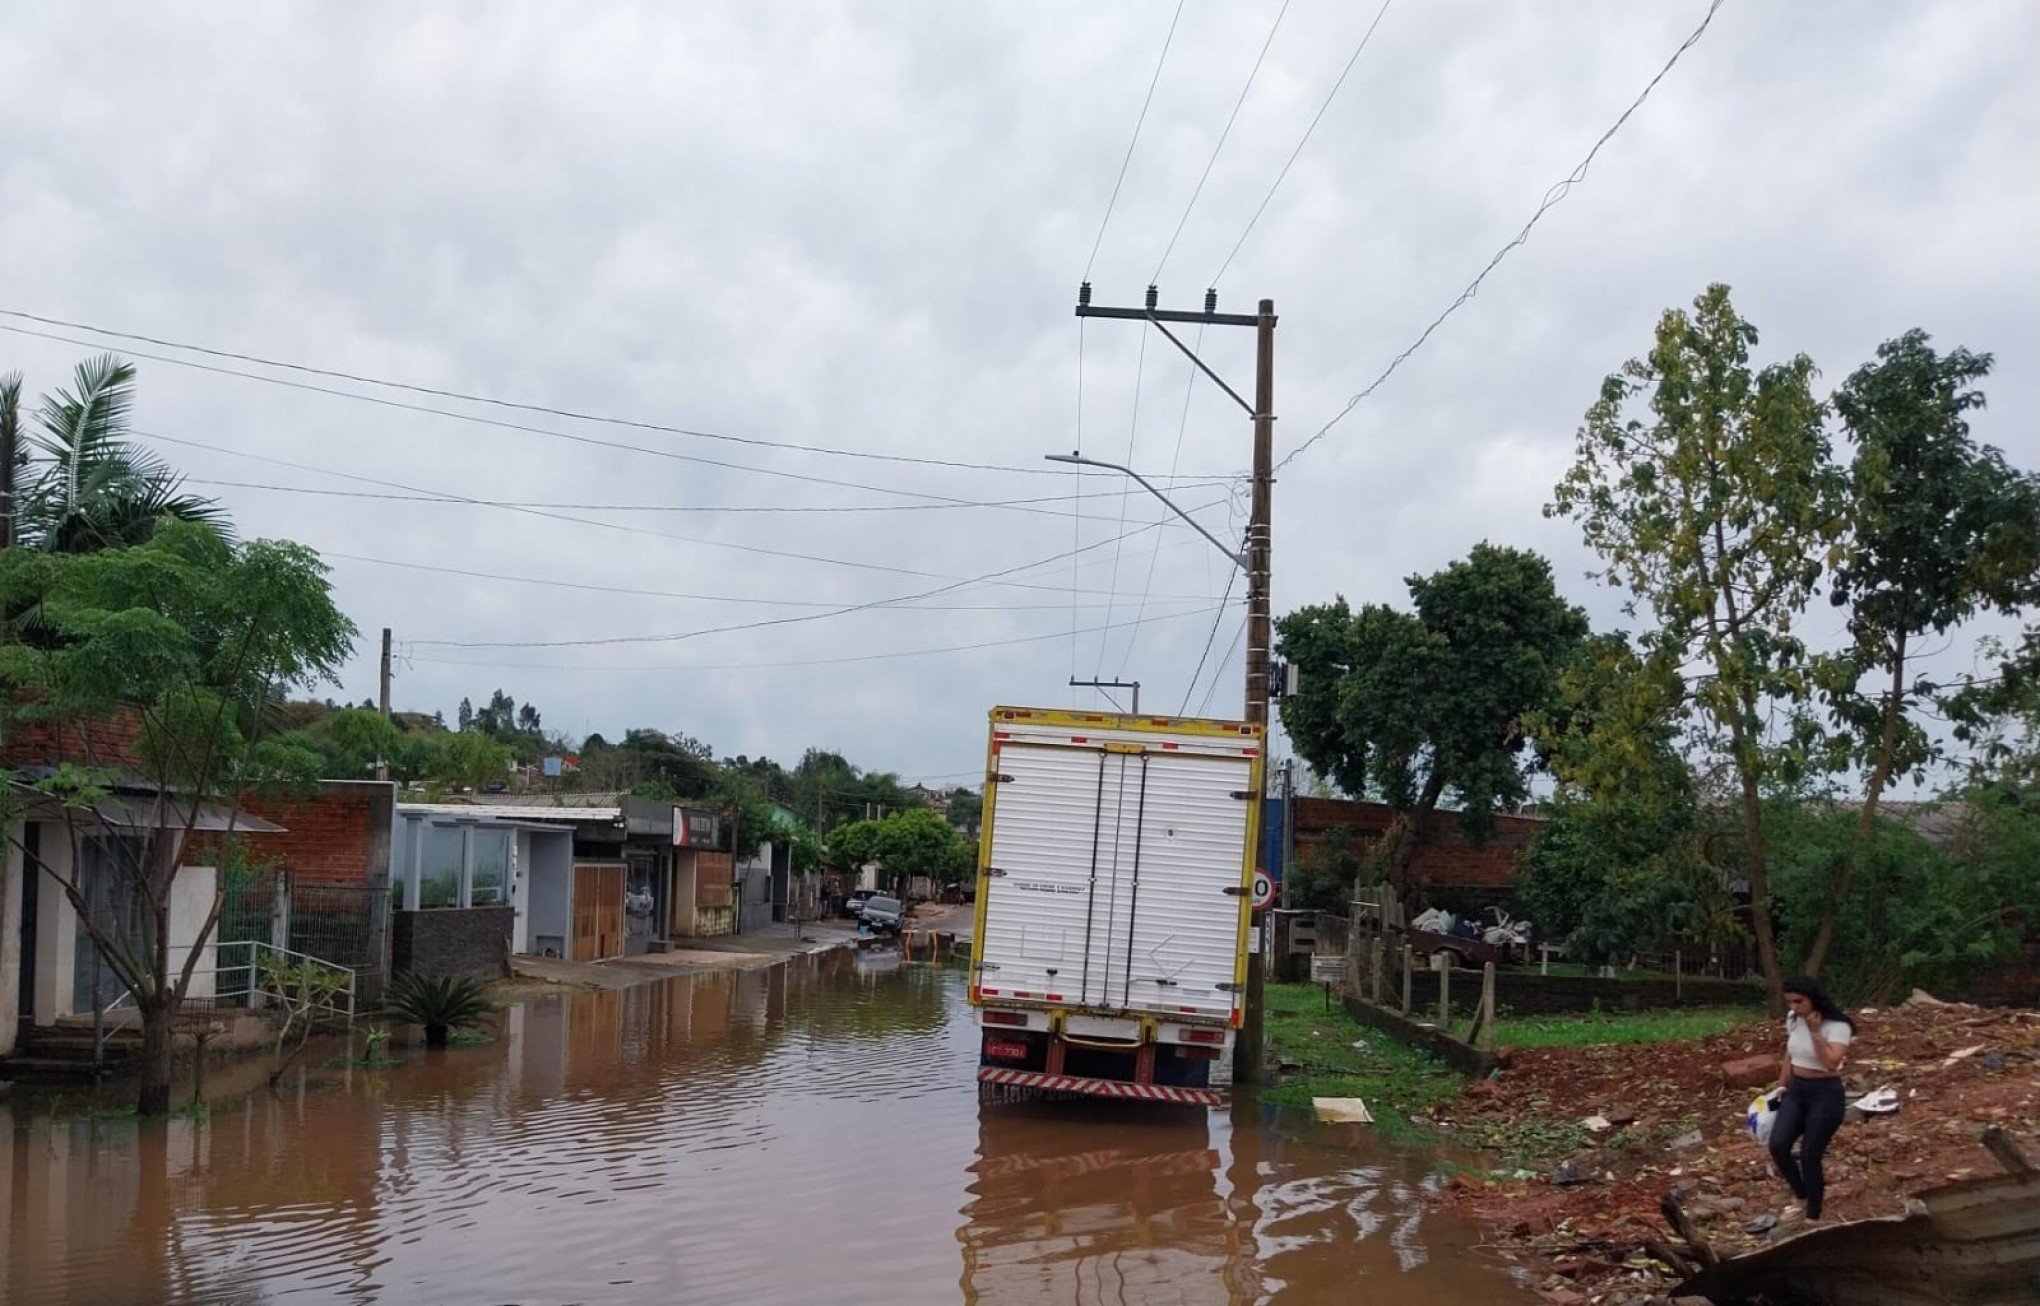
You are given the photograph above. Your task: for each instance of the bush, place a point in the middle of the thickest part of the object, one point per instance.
(440, 1003)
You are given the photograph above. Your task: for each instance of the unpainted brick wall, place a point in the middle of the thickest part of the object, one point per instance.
(1446, 859)
(340, 836)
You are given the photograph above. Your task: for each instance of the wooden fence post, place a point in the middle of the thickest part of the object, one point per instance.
(1377, 962)
(1486, 1017)
(1442, 963)
(1409, 964)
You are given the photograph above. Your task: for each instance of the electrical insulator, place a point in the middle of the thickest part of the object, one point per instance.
(1154, 297)
(1210, 301)
(1084, 295)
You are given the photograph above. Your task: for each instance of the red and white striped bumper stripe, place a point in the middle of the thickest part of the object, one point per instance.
(1100, 1087)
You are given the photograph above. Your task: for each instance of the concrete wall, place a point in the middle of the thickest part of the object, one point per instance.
(452, 941)
(56, 929)
(546, 890)
(191, 901)
(1529, 993)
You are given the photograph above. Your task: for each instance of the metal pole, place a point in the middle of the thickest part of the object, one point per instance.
(1247, 1051)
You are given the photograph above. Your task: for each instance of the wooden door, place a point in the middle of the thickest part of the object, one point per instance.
(598, 910)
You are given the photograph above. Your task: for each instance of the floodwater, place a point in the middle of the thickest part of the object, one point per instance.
(803, 1133)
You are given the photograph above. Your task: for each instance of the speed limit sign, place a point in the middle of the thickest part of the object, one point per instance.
(1264, 890)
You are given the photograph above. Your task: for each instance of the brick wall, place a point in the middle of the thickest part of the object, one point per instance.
(471, 942)
(1445, 859)
(108, 741)
(339, 836)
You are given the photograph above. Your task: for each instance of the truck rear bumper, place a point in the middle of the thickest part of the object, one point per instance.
(1100, 1087)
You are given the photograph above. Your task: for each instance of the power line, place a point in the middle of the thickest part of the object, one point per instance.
(666, 507)
(1227, 131)
(678, 636)
(635, 592)
(1551, 198)
(549, 432)
(1293, 154)
(1126, 162)
(770, 666)
(1231, 578)
(1217, 672)
(553, 516)
(467, 396)
(1182, 427)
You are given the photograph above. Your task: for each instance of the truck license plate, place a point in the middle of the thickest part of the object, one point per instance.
(1006, 1049)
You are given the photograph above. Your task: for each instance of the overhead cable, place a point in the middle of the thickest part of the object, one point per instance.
(1295, 153)
(1211, 162)
(773, 666)
(1126, 162)
(1551, 198)
(464, 396)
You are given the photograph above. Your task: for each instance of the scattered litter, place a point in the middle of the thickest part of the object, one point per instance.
(1360, 1043)
(1598, 1124)
(1882, 1101)
(1691, 1138)
(1341, 1110)
(1762, 1115)
(1963, 1055)
(1922, 998)
(1567, 1175)
(1762, 1224)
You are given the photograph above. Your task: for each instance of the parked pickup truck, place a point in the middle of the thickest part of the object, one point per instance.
(1114, 874)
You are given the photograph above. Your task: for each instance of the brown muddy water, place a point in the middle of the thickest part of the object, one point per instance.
(804, 1133)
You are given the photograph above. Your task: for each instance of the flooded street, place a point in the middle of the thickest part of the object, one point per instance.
(806, 1132)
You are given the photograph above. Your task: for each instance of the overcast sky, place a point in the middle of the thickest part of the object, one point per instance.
(861, 227)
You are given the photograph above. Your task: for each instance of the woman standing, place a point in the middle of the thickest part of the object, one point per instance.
(1817, 1035)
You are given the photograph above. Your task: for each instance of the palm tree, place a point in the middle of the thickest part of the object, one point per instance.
(92, 488)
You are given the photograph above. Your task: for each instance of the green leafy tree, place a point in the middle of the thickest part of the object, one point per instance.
(905, 844)
(193, 638)
(1706, 488)
(82, 485)
(356, 738)
(1415, 707)
(966, 809)
(1941, 529)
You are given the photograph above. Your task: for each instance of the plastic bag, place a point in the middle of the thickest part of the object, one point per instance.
(1763, 1113)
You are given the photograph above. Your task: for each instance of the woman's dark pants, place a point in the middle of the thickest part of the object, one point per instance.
(1809, 1115)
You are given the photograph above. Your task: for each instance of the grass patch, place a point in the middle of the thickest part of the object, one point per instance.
(1395, 1080)
(1589, 1029)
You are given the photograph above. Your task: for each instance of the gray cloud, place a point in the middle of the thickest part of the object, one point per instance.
(861, 226)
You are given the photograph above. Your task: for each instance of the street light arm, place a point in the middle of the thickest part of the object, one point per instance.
(1238, 559)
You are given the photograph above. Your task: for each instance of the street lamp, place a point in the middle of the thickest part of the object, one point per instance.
(1238, 559)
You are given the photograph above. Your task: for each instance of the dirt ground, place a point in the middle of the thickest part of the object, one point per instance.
(1676, 1126)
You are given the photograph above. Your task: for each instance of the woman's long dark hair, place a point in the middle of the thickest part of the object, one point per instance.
(1806, 986)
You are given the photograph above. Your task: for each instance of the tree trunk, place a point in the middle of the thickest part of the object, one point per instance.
(1415, 824)
(1880, 776)
(153, 1097)
(1760, 889)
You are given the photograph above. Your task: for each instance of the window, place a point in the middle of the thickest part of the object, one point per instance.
(439, 867)
(489, 882)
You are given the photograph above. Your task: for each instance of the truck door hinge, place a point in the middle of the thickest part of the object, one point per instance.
(1235, 890)
(994, 870)
(997, 778)
(1165, 983)
(1228, 988)
(988, 965)
(1243, 794)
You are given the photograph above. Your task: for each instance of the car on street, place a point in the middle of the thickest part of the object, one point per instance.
(883, 914)
(853, 906)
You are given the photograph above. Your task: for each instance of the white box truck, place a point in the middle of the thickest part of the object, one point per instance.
(1115, 870)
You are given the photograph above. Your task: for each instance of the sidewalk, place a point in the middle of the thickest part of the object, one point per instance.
(765, 947)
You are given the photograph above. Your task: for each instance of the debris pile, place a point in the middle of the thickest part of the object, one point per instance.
(1597, 1137)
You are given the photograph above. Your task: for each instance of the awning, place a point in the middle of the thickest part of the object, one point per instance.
(125, 812)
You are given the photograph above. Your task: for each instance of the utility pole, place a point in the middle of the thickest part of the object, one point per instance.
(382, 764)
(1133, 685)
(1256, 560)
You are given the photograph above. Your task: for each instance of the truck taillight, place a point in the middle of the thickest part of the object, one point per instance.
(1203, 1036)
(1004, 1018)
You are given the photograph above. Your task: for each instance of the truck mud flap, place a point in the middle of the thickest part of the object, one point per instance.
(1038, 1082)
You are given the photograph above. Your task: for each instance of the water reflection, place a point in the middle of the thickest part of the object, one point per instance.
(799, 1133)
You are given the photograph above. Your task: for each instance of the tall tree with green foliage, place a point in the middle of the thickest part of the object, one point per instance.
(193, 638)
(1941, 529)
(905, 844)
(81, 484)
(1706, 488)
(1411, 707)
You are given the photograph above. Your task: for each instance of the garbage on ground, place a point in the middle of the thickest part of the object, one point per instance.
(1341, 1110)
(1762, 1115)
(1879, 1102)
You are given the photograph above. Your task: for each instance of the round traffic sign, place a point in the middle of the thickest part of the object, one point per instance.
(1264, 890)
